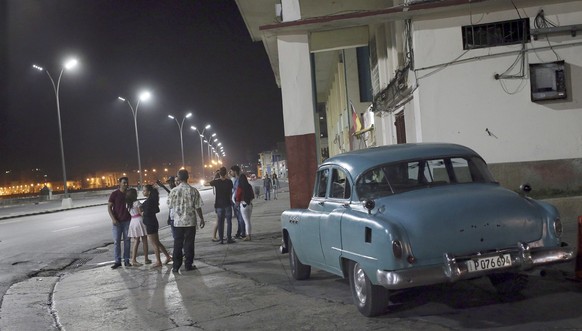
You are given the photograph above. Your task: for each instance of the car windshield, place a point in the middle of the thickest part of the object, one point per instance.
(405, 176)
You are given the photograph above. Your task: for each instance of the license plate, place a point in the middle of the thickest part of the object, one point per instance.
(488, 263)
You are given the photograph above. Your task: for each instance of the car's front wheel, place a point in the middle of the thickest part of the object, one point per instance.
(299, 270)
(371, 300)
(509, 283)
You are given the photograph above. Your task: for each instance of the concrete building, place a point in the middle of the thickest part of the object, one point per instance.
(502, 77)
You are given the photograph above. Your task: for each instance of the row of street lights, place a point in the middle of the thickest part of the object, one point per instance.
(144, 96)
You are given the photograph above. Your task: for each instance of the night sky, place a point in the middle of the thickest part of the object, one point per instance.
(191, 55)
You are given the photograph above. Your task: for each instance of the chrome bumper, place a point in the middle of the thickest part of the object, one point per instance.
(455, 268)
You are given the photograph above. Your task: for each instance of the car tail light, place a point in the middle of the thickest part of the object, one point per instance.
(558, 227)
(397, 249)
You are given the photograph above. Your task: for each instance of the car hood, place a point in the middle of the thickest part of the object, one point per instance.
(463, 219)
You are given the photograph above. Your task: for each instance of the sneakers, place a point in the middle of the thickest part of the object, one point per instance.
(116, 265)
(230, 241)
(190, 267)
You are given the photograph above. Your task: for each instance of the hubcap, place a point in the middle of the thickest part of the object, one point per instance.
(360, 283)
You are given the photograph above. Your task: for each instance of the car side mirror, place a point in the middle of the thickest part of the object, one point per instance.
(369, 204)
(525, 188)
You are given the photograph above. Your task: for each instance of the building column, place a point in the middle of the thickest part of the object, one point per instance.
(298, 116)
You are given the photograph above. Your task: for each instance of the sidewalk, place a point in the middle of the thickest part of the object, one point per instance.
(141, 298)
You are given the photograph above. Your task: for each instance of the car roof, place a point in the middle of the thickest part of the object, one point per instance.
(363, 159)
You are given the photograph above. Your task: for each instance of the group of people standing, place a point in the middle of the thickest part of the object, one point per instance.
(234, 195)
(132, 219)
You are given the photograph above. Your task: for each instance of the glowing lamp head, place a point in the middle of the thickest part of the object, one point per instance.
(145, 96)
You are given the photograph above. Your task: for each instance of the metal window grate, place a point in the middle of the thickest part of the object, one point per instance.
(496, 34)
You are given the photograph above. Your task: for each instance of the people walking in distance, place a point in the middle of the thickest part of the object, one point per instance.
(234, 176)
(267, 185)
(137, 229)
(120, 218)
(186, 202)
(223, 205)
(149, 208)
(275, 183)
(244, 199)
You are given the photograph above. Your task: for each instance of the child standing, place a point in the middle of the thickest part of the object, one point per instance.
(137, 229)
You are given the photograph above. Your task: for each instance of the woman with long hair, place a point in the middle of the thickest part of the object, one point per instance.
(137, 229)
(243, 197)
(149, 208)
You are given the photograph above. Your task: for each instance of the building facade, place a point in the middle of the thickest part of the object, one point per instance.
(501, 77)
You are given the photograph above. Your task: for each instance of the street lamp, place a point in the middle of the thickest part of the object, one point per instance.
(201, 134)
(69, 64)
(209, 142)
(180, 126)
(144, 96)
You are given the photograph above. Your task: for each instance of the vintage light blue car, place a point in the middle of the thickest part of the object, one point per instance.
(408, 215)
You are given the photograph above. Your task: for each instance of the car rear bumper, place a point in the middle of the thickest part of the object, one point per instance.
(456, 268)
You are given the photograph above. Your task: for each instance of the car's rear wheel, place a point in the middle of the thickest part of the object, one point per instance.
(371, 300)
(299, 270)
(509, 283)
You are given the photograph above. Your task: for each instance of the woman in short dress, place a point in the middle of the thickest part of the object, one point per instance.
(149, 208)
(137, 229)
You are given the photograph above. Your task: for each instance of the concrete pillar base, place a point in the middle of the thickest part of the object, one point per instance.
(67, 203)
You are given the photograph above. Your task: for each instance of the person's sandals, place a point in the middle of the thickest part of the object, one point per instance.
(156, 265)
(147, 261)
(168, 260)
(135, 264)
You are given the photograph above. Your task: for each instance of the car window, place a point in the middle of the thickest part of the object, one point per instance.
(410, 175)
(321, 183)
(340, 186)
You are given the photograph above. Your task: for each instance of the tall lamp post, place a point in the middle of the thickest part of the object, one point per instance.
(209, 143)
(69, 64)
(201, 135)
(180, 126)
(144, 96)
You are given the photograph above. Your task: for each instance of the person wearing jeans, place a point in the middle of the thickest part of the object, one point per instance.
(120, 219)
(244, 198)
(121, 231)
(223, 205)
(267, 184)
(241, 231)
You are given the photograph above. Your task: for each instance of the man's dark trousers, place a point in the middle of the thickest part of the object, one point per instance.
(184, 239)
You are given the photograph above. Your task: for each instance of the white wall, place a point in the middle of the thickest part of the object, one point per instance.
(296, 85)
(458, 103)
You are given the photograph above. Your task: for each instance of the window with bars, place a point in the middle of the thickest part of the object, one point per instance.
(496, 34)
